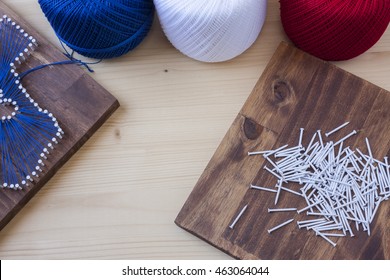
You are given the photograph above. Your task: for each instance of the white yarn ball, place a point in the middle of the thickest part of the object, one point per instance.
(211, 30)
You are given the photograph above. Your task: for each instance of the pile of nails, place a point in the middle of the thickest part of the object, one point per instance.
(343, 188)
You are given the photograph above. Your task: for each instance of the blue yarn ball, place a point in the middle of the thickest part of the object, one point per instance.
(100, 28)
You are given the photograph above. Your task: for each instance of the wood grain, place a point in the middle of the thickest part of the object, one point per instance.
(76, 100)
(118, 196)
(295, 90)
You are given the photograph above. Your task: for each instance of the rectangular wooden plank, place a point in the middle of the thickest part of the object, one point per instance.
(79, 103)
(295, 90)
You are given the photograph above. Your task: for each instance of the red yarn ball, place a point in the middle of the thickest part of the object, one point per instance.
(335, 29)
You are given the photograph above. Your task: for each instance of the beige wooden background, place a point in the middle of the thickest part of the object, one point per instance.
(118, 196)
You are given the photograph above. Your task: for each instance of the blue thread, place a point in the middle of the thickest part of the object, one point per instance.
(26, 130)
(100, 28)
(72, 60)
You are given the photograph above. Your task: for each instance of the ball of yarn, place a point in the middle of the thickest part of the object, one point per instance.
(100, 28)
(335, 29)
(211, 30)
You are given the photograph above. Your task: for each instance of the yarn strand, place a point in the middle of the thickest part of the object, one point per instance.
(72, 60)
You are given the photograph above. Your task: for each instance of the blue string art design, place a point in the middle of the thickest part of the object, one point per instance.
(28, 132)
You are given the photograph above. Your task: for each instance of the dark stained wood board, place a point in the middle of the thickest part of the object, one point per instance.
(295, 90)
(79, 103)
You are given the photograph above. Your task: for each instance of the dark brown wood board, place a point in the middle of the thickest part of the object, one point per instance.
(295, 90)
(80, 105)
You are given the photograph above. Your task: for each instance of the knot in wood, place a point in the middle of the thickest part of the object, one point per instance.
(251, 129)
(281, 91)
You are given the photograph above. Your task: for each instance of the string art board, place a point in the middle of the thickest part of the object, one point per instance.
(75, 104)
(295, 91)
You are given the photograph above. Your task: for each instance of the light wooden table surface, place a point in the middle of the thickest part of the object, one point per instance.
(118, 196)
